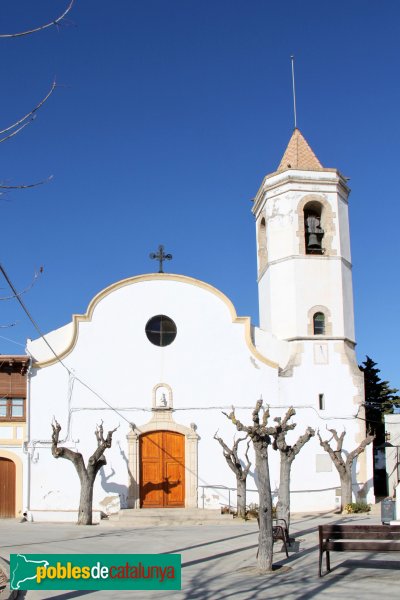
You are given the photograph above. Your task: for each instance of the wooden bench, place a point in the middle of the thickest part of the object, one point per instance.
(353, 538)
(279, 532)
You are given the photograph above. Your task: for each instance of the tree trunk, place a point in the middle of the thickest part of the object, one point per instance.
(241, 497)
(265, 539)
(347, 489)
(283, 506)
(86, 500)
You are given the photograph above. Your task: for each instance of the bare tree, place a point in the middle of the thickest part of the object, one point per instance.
(241, 471)
(260, 436)
(287, 455)
(87, 474)
(342, 462)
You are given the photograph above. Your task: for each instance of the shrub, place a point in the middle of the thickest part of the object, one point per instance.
(357, 507)
(252, 511)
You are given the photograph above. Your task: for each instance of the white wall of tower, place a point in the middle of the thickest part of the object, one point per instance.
(291, 282)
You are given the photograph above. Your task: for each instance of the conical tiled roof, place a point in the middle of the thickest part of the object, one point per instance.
(298, 155)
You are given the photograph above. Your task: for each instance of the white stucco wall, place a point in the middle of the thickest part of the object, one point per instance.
(392, 427)
(210, 366)
(289, 289)
(293, 282)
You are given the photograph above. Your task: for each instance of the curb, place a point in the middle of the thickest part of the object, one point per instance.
(6, 593)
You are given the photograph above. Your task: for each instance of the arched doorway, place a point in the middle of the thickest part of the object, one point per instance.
(162, 469)
(7, 488)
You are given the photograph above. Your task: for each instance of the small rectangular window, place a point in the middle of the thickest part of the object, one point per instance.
(321, 401)
(17, 408)
(3, 407)
(12, 409)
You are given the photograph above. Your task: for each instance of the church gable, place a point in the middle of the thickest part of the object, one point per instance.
(118, 319)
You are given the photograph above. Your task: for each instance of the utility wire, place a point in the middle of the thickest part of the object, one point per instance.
(36, 326)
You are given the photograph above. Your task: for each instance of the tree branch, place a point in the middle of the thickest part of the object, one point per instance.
(61, 452)
(259, 433)
(238, 424)
(289, 414)
(232, 457)
(256, 412)
(27, 119)
(366, 441)
(4, 139)
(338, 439)
(246, 469)
(303, 439)
(35, 277)
(279, 435)
(24, 186)
(335, 455)
(41, 27)
(102, 444)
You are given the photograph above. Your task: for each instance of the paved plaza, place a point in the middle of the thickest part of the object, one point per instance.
(218, 562)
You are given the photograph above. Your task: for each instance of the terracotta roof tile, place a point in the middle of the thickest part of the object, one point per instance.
(298, 155)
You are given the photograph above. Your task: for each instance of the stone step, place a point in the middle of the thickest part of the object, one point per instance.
(170, 516)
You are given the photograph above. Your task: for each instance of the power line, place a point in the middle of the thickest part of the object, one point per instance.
(36, 326)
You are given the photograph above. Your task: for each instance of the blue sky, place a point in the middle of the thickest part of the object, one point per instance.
(168, 116)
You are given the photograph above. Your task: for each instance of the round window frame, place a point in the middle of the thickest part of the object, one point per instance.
(152, 335)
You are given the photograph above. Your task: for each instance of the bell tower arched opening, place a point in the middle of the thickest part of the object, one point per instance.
(313, 228)
(262, 246)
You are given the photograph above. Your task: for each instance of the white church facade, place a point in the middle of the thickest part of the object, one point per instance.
(162, 355)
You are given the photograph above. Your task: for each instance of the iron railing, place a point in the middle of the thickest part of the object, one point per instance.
(221, 487)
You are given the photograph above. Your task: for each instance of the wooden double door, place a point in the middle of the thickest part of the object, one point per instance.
(7, 488)
(162, 470)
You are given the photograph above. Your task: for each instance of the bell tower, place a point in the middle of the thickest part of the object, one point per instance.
(303, 244)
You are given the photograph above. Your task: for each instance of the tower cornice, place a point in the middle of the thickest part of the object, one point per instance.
(275, 180)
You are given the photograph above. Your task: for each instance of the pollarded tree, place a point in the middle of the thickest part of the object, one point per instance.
(287, 455)
(260, 435)
(241, 471)
(343, 461)
(87, 474)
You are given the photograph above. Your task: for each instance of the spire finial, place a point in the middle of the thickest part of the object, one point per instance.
(294, 93)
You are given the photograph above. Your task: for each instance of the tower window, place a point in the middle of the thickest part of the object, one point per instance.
(312, 228)
(321, 401)
(262, 245)
(319, 323)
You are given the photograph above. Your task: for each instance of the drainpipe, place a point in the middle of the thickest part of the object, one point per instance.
(28, 436)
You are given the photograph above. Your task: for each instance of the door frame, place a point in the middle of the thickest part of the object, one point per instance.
(18, 479)
(162, 420)
(163, 459)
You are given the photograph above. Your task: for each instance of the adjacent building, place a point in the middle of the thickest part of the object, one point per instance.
(13, 432)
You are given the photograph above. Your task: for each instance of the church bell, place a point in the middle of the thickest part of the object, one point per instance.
(313, 241)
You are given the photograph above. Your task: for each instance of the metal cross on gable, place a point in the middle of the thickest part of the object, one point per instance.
(161, 257)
